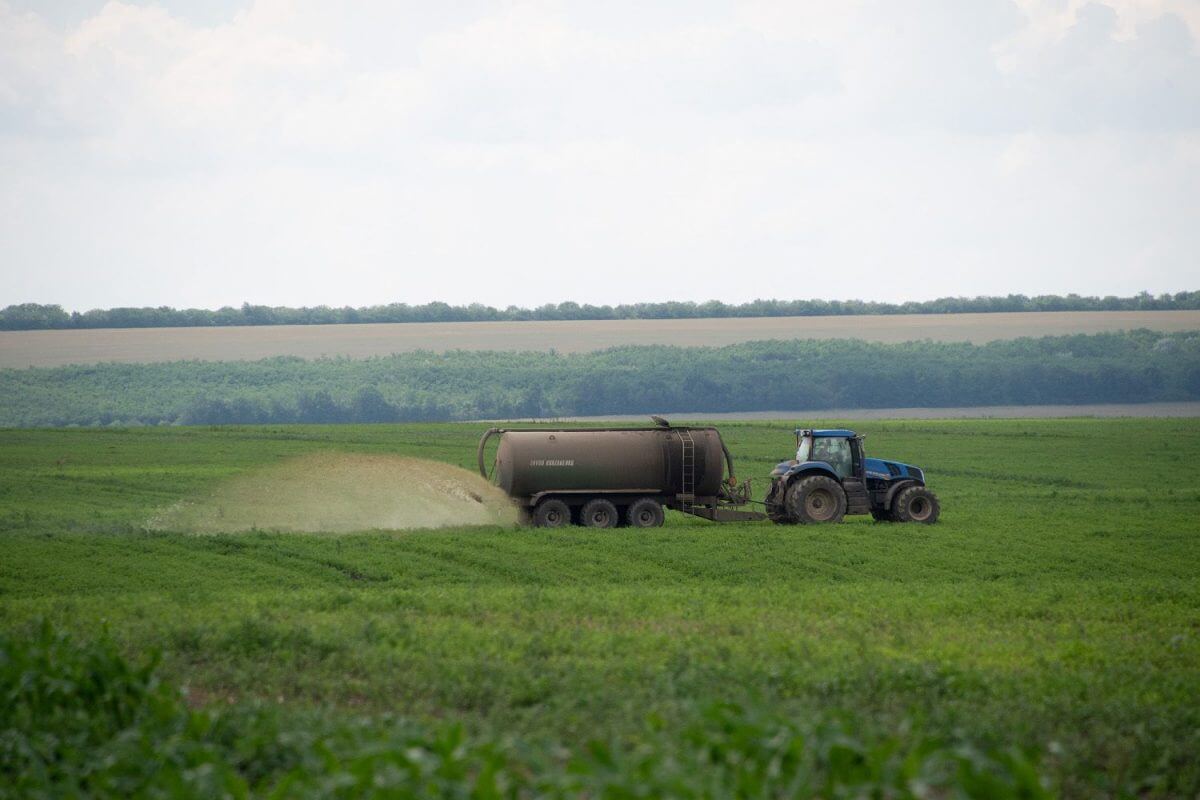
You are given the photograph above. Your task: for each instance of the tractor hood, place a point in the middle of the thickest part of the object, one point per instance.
(891, 470)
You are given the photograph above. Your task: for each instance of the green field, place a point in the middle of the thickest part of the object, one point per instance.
(1050, 622)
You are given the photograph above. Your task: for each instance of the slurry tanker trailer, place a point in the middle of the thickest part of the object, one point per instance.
(605, 477)
(609, 477)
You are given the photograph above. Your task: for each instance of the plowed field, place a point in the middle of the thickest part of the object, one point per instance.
(141, 345)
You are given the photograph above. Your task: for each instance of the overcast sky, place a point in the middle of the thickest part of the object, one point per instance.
(300, 153)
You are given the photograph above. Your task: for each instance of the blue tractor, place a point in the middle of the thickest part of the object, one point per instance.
(831, 477)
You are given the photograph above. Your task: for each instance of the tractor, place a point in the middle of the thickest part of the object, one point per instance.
(831, 477)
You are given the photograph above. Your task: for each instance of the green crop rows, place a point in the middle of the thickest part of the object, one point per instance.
(1049, 626)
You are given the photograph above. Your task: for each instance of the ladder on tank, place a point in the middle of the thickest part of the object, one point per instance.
(687, 464)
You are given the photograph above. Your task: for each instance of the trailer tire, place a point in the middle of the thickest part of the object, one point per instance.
(552, 513)
(645, 513)
(599, 513)
(917, 504)
(816, 499)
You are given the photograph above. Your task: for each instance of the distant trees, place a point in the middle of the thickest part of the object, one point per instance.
(31, 316)
(1139, 366)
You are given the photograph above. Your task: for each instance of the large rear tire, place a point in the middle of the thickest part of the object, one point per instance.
(917, 504)
(815, 500)
(779, 515)
(776, 503)
(645, 513)
(599, 513)
(552, 513)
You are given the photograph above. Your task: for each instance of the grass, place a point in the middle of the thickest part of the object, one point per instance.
(1055, 609)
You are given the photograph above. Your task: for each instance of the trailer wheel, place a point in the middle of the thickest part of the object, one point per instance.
(645, 513)
(552, 513)
(816, 499)
(917, 504)
(598, 513)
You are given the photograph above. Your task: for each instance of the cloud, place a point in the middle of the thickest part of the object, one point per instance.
(1089, 76)
(530, 151)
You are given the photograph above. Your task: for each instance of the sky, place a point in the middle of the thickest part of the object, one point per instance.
(288, 152)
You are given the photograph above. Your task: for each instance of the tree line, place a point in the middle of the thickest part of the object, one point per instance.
(34, 316)
(1132, 367)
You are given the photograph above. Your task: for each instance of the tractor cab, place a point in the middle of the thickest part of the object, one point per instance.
(838, 451)
(831, 477)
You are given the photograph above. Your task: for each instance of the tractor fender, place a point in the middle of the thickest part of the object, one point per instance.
(810, 468)
(897, 488)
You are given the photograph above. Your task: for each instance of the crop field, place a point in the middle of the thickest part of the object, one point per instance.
(48, 348)
(1042, 640)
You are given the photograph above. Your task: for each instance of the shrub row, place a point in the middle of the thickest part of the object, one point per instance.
(1135, 367)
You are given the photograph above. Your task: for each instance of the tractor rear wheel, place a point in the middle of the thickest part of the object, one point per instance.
(779, 515)
(552, 513)
(645, 513)
(599, 513)
(816, 499)
(917, 504)
(776, 503)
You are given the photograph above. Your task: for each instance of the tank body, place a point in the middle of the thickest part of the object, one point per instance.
(642, 461)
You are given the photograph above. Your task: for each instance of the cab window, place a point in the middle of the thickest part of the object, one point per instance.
(835, 452)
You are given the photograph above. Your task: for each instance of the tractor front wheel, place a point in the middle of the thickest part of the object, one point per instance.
(816, 499)
(917, 504)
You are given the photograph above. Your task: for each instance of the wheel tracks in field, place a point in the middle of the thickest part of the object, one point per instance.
(478, 564)
(1030, 480)
(463, 568)
(900, 428)
(550, 561)
(112, 482)
(274, 554)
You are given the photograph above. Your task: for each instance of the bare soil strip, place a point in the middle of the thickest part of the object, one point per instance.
(1183, 408)
(142, 345)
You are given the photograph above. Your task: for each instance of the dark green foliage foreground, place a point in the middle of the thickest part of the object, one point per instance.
(1047, 626)
(1141, 366)
(82, 719)
(34, 316)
